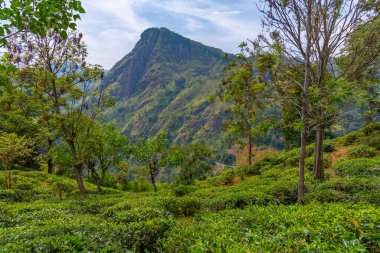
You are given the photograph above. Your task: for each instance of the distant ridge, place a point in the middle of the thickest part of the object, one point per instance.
(163, 85)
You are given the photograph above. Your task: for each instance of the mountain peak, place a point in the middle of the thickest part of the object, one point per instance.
(163, 80)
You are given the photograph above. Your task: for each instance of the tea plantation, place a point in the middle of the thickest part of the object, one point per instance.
(247, 209)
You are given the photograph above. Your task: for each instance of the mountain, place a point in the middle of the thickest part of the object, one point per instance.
(163, 84)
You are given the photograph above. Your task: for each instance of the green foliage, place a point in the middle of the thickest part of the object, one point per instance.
(183, 190)
(139, 184)
(310, 160)
(362, 151)
(193, 162)
(362, 167)
(279, 228)
(183, 206)
(61, 186)
(349, 190)
(328, 147)
(39, 17)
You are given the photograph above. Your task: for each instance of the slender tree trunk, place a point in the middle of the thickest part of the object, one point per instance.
(78, 176)
(50, 159)
(305, 99)
(99, 184)
(152, 171)
(318, 169)
(8, 178)
(250, 149)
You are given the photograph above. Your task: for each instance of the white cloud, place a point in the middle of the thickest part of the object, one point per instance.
(113, 27)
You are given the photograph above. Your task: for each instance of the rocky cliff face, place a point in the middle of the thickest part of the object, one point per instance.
(163, 84)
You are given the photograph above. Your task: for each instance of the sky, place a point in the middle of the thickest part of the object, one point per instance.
(113, 27)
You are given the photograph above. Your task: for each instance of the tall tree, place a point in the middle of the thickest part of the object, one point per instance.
(193, 162)
(290, 26)
(62, 77)
(106, 148)
(151, 152)
(311, 33)
(247, 95)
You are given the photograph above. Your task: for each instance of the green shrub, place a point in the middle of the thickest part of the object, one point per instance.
(138, 215)
(143, 236)
(350, 190)
(110, 211)
(362, 151)
(362, 167)
(310, 228)
(183, 190)
(61, 186)
(139, 184)
(292, 161)
(348, 139)
(309, 162)
(328, 147)
(227, 177)
(183, 206)
(374, 141)
(237, 200)
(248, 170)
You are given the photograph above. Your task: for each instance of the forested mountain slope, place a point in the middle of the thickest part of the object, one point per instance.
(163, 84)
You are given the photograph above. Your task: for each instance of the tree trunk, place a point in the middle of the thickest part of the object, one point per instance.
(100, 182)
(8, 179)
(318, 169)
(152, 171)
(305, 99)
(50, 159)
(250, 149)
(78, 177)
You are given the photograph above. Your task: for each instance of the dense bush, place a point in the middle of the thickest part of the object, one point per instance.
(362, 167)
(350, 190)
(362, 151)
(322, 228)
(328, 147)
(310, 161)
(227, 177)
(143, 236)
(183, 190)
(249, 170)
(184, 206)
(138, 214)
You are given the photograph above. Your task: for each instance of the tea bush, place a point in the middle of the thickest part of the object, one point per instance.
(322, 228)
(183, 206)
(362, 151)
(362, 167)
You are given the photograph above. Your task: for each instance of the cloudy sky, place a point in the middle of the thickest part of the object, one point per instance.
(112, 27)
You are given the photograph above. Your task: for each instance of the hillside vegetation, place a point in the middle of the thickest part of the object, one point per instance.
(246, 209)
(163, 84)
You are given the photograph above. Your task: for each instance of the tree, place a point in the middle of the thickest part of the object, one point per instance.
(364, 47)
(38, 16)
(196, 165)
(289, 23)
(246, 93)
(61, 76)
(310, 33)
(106, 148)
(151, 152)
(13, 147)
(193, 162)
